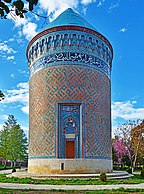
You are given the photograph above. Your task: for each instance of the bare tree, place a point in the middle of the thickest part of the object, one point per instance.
(131, 134)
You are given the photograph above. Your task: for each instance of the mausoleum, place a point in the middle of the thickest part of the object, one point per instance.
(70, 98)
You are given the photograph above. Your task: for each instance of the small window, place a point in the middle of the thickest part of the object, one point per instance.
(62, 166)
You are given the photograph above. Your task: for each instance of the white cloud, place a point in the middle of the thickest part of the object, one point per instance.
(25, 109)
(113, 6)
(10, 58)
(25, 26)
(123, 29)
(4, 48)
(4, 117)
(53, 9)
(26, 130)
(12, 75)
(127, 110)
(101, 2)
(24, 85)
(56, 7)
(25, 73)
(19, 21)
(19, 95)
(21, 71)
(86, 2)
(1, 126)
(11, 40)
(29, 30)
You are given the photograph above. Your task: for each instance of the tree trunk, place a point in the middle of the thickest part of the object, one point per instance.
(132, 169)
(136, 154)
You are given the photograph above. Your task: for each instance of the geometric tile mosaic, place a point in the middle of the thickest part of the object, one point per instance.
(72, 82)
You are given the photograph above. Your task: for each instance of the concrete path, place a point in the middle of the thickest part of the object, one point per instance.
(9, 171)
(113, 175)
(70, 187)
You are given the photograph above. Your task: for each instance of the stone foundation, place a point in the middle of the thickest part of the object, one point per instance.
(69, 166)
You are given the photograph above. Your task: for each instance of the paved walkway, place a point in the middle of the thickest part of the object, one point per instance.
(65, 187)
(25, 174)
(8, 171)
(70, 187)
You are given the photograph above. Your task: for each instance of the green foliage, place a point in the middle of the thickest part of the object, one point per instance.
(136, 179)
(103, 177)
(13, 142)
(61, 191)
(32, 3)
(3, 167)
(4, 143)
(2, 96)
(16, 7)
(142, 173)
(129, 170)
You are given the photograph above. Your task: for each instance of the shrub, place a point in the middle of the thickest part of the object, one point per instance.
(103, 177)
(129, 170)
(142, 173)
(4, 167)
(13, 170)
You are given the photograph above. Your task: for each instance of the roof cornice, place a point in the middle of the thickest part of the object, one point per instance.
(61, 28)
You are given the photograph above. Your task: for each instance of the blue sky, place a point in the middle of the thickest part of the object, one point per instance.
(121, 21)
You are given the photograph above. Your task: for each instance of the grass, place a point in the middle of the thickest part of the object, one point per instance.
(2, 167)
(72, 181)
(113, 191)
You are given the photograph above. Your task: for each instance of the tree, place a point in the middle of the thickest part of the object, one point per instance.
(13, 141)
(16, 7)
(131, 136)
(4, 143)
(120, 149)
(114, 154)
(137, 134)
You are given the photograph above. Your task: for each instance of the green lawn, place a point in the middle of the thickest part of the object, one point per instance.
(73, 181)
(114, 191)
(2, 167)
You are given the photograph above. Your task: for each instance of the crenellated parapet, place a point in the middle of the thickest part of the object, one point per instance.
(73, 46)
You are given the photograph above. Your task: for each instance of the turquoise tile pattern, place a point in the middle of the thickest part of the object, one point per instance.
(69, 84)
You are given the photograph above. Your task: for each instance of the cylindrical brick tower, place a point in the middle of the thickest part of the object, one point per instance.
(70, 98)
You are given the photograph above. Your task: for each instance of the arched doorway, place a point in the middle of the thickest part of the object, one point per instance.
(69, 135)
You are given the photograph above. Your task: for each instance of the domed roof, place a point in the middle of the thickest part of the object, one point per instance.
(70, 18)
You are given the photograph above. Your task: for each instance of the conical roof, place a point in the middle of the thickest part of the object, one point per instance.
(70, 18)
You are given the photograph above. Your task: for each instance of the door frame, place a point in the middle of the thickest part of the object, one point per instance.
(80, 149)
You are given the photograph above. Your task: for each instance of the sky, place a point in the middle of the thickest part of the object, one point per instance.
(120, 21)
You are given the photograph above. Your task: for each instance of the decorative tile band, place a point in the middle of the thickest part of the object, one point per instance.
(48, 157)
(70, 58)
(67, 28)
(69, 41)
